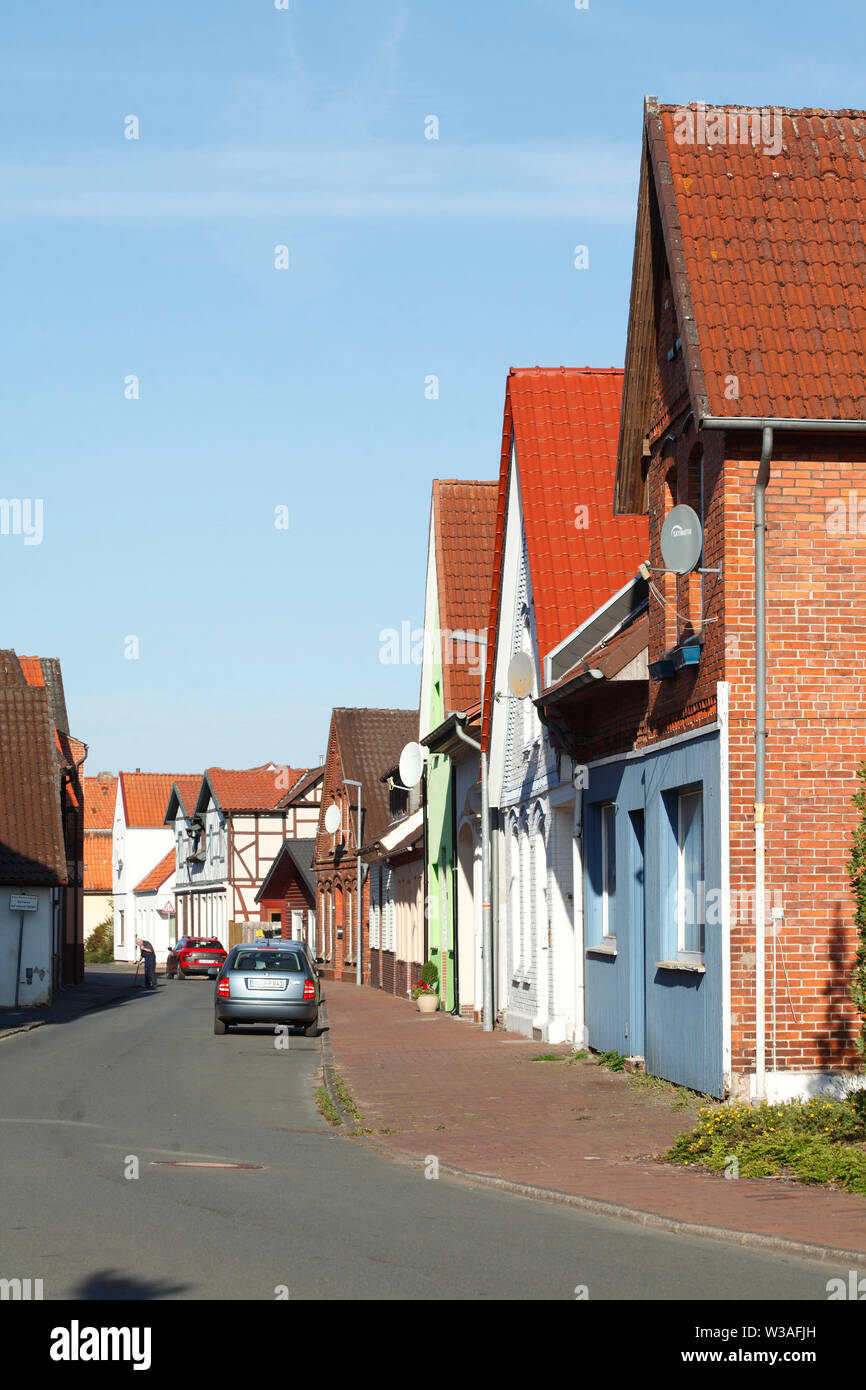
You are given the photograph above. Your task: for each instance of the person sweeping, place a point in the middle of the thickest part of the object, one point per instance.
(148, 955)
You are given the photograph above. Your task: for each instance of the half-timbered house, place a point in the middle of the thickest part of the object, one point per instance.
(228, 839)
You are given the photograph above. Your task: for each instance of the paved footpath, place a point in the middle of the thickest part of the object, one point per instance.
(478, 1103)
(104, 986)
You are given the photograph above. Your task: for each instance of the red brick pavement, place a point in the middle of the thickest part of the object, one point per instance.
(477, 1102)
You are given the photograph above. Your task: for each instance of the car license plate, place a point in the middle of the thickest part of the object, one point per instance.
(266, 984)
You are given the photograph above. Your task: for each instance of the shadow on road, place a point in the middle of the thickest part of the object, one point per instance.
(110, 1284)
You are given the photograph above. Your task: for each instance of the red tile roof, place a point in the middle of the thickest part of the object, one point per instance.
(145, 796)
(565, 423)
(253, 789)
(304, 789)
(100, 796)
(774, 260)
(158, 874)
(32, 850)
(97, 861)
(365, 743)
(464, 529)
(32, 669)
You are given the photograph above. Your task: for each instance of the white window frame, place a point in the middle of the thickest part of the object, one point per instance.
(684, 953)
(607, 818)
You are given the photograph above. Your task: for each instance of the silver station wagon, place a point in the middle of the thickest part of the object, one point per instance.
(274, 982)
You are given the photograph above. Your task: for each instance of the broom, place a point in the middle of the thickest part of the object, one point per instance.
(135, 984)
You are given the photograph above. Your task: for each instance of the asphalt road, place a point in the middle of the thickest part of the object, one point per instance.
(146, 1082)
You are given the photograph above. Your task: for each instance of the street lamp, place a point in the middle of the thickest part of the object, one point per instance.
(359, 943)
(486, 913)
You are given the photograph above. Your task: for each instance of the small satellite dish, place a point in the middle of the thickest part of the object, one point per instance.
(520, 675)
(682, 539)
(333, 819)
(411, 764)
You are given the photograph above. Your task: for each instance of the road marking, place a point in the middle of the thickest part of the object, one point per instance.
(83, 1124)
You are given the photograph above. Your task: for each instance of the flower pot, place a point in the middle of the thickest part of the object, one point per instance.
(428, 1003)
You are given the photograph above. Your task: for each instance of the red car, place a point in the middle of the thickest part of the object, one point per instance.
(194, 955)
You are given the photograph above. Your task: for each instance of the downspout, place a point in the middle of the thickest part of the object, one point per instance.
(761, 763)
(426, 873)
(455, 895)
(486, 895)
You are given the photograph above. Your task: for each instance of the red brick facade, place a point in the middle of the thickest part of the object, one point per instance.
(816, 696)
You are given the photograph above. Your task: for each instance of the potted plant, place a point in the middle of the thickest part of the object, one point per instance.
(425, 991)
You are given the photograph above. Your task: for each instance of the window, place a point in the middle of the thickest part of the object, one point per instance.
(690, 873)
(608, 870)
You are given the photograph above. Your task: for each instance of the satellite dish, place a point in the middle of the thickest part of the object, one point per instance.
(520, 675)
(682, 539)
(411, 764)
(333, 819)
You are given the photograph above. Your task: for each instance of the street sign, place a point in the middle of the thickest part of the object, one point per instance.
(23, 902)
(168, 910)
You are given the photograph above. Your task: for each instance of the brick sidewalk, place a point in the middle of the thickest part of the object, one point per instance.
(476, 1101)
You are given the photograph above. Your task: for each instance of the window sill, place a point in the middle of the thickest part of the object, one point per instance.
(604, 948)
(690, 966)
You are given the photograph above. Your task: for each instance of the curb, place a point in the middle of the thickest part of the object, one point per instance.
(778, 1245)
(329, 1066)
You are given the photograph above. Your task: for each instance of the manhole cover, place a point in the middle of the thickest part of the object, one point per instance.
(179, 1163)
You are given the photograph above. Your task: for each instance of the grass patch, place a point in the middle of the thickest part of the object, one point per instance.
(344, 1097)
(679, 1097)
(614, 1061)
(815, 1141)
(326, 1105)
(580, 1056)
(548, 1057)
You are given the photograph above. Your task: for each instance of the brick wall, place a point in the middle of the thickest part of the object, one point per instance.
(816, 721)
(816, 698)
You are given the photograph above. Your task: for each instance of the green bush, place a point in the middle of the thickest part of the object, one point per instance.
(857, 876)
(430, 975)
(99, 945)
(815, 1140)
(614, 1061)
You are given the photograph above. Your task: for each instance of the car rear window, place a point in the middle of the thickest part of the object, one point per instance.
(195, 943)
(289, 962)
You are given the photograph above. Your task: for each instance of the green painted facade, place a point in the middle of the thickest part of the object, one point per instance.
(440, 840)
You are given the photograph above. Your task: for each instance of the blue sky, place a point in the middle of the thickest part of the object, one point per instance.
(304, 388)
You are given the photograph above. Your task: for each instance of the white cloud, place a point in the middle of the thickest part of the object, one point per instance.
(584, 181)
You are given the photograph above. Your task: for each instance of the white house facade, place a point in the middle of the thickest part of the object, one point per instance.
(140, 840)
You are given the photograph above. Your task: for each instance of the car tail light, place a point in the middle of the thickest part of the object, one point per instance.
(309, 989)
(224, 988)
